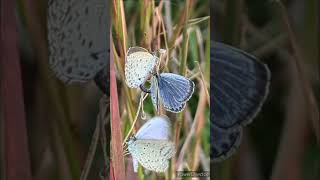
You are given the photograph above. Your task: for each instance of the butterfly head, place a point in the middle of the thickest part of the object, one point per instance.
(131, 140)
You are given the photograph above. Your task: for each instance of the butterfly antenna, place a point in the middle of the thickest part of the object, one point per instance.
(124, 145)
(125, 149)
(126, 153)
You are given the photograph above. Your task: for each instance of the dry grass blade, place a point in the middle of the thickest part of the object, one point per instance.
(38, 34)
(303, 79)
(16, 151)
(92, 150)
(116, 137)
(95, 139)
(195, 129)
(290, 153)
(105, 119)
(140, 107)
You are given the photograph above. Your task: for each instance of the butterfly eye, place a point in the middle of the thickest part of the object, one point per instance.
(132, 138)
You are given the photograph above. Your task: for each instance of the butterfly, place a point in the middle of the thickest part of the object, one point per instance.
(151, 146)
(239, 87)
(171, 90)
(78, 41)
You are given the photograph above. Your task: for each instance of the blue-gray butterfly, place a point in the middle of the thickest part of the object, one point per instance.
(151, 146)
(77, 37)
(239, 87)
(174, 91)
(171, 90)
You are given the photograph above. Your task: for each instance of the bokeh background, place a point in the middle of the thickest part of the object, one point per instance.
(282, 143)
(182, 29)
(54, 123)
(45, 126)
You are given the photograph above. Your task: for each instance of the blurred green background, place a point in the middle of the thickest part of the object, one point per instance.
(60, 119)
(283, 141)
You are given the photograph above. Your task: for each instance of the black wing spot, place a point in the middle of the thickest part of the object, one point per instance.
(90, 44)
(94, 56)
(69, 70)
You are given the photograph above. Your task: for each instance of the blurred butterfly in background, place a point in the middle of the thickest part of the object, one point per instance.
(78, 50)
(78, 41)
(239, 87)
(151, 146)
(172, 90)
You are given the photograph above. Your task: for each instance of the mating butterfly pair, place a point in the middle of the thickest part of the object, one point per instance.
(239, 83)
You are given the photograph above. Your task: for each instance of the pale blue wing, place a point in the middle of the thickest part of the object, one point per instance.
(77, 38)
(172, 105)
(156, 128)
(224, 142)
(179, 86)
(239, 86)
(174, 91)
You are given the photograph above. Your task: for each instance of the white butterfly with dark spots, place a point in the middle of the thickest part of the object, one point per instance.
(170, 90)
(78, 39)
(151, 146)
(139, 66)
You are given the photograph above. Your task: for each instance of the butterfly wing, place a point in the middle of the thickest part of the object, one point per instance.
(223, 142)
(174, 91)
(135, 163)
(77, 36)
(154, 93)
(172, 105)
(139, 65)
(239, 86)
(135, 49)
(158, 127)
(152, 154)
